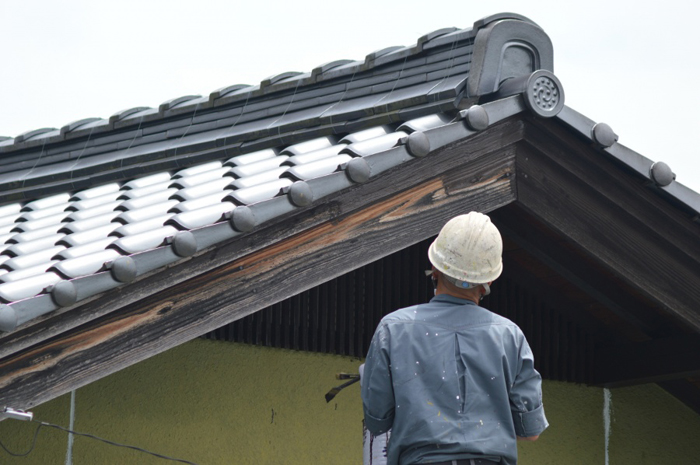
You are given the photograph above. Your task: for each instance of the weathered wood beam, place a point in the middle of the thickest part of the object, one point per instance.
(645, 362)
(578, 193)
(405, 206)
(497, 138)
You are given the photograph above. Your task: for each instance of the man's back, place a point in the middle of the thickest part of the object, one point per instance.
(453, 381)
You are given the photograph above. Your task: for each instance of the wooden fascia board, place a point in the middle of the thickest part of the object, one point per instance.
(365, 223)
(646, 362)
(575, 191)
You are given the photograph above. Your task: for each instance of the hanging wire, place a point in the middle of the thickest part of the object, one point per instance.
(36, 162)
(92, 436)
(81, 153)
(23, 454)
(340, 100)
(451, 59)
(240, 115)
(279, 120)
(196, 108)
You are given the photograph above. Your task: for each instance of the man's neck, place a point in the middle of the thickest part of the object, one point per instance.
(472, 294)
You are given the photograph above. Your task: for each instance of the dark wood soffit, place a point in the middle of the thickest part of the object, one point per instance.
(457, 179)
(684, 390)
(570, 263)
(577, 192)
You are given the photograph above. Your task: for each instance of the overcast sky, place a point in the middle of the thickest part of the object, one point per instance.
(631, 64)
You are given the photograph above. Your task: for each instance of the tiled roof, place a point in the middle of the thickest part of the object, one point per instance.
(99, 202)
(397, 83)
(66, 247)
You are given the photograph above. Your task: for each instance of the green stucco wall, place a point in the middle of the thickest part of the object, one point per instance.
(219, 403)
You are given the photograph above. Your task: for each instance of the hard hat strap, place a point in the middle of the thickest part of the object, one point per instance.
(461, 284)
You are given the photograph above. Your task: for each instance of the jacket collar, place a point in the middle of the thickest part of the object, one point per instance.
(451, 299)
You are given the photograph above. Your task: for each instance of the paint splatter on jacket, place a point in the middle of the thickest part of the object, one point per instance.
(452, 381)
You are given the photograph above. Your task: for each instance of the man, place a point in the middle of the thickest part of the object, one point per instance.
(454, 382)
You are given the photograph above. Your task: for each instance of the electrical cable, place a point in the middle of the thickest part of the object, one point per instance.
(107, 441)
(36, 434)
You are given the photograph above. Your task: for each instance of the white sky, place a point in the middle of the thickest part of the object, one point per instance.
(631, 64)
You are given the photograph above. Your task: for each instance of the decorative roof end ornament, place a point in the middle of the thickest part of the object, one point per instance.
(542, 92)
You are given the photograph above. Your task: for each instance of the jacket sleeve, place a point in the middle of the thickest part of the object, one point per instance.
(526, 396)
(377, 389)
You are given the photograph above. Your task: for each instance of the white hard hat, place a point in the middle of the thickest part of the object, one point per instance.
(468, 250)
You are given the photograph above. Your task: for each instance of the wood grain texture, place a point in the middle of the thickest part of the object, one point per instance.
(300, 251)
(611, 216)
(499, 138)
(576, 268)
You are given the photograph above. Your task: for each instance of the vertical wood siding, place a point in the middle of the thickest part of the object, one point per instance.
(340, 315)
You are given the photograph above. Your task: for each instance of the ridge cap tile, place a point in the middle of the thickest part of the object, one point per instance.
(174, 102)
(223, 91)
(70, 127)
(28, 135)
(121, 114)
(275, 78)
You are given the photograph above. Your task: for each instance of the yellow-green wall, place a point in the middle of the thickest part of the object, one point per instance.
(220, 403)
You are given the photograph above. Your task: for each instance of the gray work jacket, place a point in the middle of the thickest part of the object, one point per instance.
(452, 381)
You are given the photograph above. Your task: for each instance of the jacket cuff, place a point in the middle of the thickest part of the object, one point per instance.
(531, 423)
(378, 425)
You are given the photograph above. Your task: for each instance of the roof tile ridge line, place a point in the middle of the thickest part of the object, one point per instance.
(278, 121)
(136, 133)
(41, 154)
(417, 48)
(587, 128)
(194, 113)
(453, 47)
(224, 131)
(366, 66)
(81, 153)
(340, 100)
(403, 66)
(451, 59)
